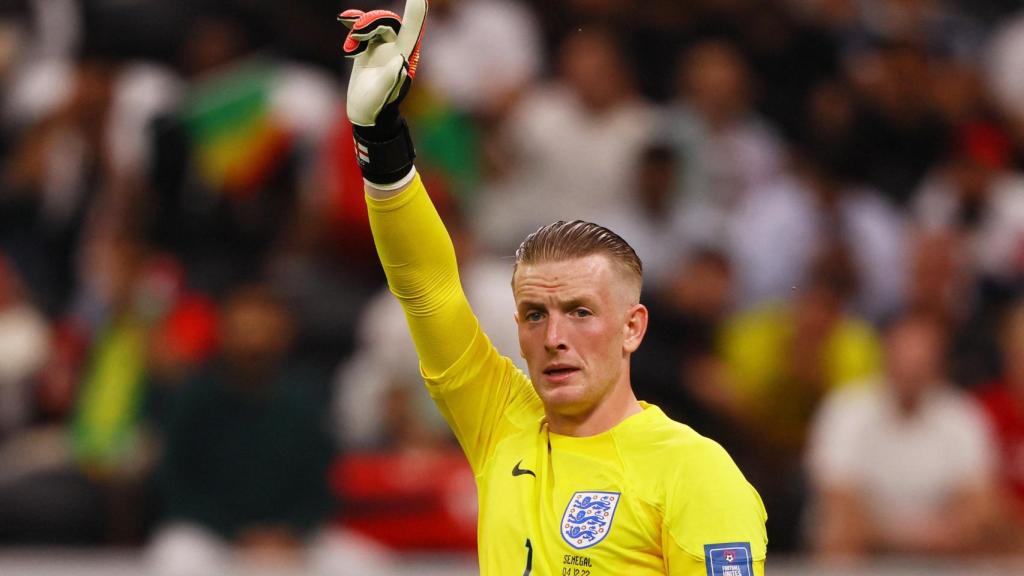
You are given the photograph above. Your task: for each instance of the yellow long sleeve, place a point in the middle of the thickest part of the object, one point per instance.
(419, 262)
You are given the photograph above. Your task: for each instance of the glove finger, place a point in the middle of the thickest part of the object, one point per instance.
(356, 44)
(374, 19)
(353, 47)
(367, 28)
(349, 17)
(382, 32)
(413, 21)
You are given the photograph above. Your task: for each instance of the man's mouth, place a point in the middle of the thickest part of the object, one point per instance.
(560, 372)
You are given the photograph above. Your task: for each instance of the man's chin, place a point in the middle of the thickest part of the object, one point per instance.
(566, 400)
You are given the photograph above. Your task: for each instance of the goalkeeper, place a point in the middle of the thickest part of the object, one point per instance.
(574, 475)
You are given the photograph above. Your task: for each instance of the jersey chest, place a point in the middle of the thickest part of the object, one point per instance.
(564, 512)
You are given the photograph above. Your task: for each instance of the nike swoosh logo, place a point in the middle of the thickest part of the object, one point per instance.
(517, 471)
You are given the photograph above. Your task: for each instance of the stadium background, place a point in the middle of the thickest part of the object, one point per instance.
(193, 325)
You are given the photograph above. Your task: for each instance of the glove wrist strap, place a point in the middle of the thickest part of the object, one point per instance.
(385, 162)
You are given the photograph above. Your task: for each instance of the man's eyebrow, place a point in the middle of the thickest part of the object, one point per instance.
(577, 302)
(529, 304)
(569, 304)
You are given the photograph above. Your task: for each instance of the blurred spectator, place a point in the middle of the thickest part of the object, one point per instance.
(938, 280)
(904, 464)
(689, 290)
(725, 150)
(777, 234)
(79, 169)
(481, 54)
(79, 480)
(781, 359)
(652, 33)
(1003, 401)
(43, 38)
(232, 158)
(649, 220)
(790, 53)
(977, 201)
(778, 362)
(958, 92)
(50, 180)
(246, 461)
(900, 131)
(1005, 72)
(560, 20)
(938, 25)
(941, 27)
(571, 146)
(941, 284)
(24, 347)
(324, 262)
(182, 338)
(675, 368)
(111, 384)
(977, 196)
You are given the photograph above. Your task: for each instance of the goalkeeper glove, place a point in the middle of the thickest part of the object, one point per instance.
(386, 50)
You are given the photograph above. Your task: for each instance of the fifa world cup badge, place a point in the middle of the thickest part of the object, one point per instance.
(731, 559)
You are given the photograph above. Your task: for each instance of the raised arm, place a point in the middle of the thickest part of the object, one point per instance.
(419, 262)
(411, 240)
(474, 387)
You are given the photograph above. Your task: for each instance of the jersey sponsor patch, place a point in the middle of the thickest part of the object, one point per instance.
(588, 518)
(732, 559)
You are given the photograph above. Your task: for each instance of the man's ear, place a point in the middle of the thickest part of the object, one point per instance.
(634, 328)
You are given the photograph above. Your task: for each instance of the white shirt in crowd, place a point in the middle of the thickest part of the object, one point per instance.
(569, 164)
(773, 237)
(905, 468)
(996, 243)
(480, 52)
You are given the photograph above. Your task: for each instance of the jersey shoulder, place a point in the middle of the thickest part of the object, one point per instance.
(658, 452)
(653, 435)
(703, 496)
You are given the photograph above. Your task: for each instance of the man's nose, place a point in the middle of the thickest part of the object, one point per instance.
(554, 334)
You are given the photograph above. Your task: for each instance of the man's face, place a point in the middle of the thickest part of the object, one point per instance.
(578, 323)
(255, 334)
(914, 352)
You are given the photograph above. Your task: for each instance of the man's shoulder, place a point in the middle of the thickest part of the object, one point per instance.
(659, 443)
(858, 405)
(959, 411)
(693, 481)
(866, 395)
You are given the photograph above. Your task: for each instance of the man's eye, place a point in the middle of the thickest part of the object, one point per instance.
(583, 312)
(533, 316)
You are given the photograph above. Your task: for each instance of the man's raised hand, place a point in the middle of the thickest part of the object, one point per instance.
(386, 50)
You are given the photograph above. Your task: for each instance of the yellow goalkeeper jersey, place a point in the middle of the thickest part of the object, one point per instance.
(649, 496)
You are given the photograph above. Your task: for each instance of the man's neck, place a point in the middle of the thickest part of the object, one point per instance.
(621, 404)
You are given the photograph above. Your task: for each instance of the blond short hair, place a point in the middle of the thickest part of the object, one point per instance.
(562, 240)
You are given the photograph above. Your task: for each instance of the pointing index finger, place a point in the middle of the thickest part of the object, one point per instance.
(412, 26)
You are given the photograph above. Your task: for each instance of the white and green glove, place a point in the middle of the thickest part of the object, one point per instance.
(386, 51)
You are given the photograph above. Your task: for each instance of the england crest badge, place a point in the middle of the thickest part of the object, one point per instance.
(588, 518)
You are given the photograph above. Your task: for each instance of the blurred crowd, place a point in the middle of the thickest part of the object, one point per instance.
(198, 352)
